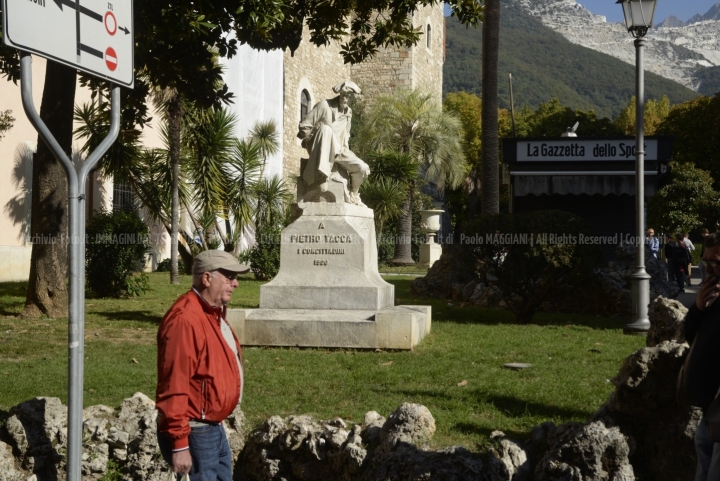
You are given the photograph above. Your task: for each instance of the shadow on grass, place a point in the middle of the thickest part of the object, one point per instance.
(518, 408)
(469, 428)
(442, 312)
(510, 406)
(142, 316)
(12, 297)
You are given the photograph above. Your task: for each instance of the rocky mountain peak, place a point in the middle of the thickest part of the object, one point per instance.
(674, 52)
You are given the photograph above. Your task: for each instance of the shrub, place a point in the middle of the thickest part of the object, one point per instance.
(264, 257)
(164, 265)
(116, 242)
(531, 257)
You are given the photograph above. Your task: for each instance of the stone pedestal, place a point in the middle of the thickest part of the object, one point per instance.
(429, 253)
(430, 224)
(328, 292)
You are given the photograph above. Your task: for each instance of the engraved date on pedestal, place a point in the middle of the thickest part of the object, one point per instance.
(320, 262)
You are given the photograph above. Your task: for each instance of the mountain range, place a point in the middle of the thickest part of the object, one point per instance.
(544, 63)
(672, 21)
(677, 50)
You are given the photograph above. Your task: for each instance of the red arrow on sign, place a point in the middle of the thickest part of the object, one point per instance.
(111, 59)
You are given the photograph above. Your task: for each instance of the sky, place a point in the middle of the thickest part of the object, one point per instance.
(682, 9)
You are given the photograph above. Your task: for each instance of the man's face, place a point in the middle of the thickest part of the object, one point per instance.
(650, 232)
(344, 99)
(219, 286)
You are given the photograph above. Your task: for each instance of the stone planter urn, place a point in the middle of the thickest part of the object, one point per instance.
(430, 224)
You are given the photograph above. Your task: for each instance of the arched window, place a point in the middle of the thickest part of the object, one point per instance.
(428, 36)
(304, 103)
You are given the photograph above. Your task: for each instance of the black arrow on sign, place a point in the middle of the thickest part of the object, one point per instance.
(81, 9)
(124, 29)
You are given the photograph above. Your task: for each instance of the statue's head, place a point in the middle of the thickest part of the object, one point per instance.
(345, 91)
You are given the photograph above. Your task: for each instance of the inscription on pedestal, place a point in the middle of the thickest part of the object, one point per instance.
(311, 250)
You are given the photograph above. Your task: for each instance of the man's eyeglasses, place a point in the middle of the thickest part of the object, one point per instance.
(228, 277)
(712, 264)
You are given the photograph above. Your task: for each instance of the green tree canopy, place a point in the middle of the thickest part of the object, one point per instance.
(695, 128)
(687, 202)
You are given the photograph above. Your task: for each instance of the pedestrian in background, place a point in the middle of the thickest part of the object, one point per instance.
(652, 242)
(702, 265)
(690, 248)
(669, 254)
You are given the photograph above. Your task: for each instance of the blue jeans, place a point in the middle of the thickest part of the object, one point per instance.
(708, 454)
(210, 452)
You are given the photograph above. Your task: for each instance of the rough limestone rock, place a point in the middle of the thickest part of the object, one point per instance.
(666, 321)
(410, 424)
(509, 461)
(644, 408)
(8, 470)
(36, 430)
(299, 448)
(398, 458)
(591, 451)
(33, 441)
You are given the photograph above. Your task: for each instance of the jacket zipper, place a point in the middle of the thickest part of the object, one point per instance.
(202, 412)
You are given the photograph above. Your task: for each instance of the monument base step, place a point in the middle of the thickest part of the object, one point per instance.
(398, 327)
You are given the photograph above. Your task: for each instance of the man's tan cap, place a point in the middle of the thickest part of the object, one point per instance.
(212, 260)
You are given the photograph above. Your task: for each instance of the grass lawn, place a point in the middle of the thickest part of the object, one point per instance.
(456, 371)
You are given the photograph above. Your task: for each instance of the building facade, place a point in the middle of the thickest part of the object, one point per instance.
(274, 85)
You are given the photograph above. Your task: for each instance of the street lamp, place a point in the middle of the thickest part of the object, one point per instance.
(638, 19)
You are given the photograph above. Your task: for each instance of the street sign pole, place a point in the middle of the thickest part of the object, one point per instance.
(76, 235)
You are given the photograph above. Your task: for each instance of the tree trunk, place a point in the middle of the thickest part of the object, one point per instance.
(47, 291)
(175, 114)
(490, 160)
(403, 243)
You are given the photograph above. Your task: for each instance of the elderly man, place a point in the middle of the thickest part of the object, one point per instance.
(702, 331)
(325, 132)
(200, 374)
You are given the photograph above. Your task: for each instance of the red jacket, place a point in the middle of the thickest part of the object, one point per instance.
(198, 375)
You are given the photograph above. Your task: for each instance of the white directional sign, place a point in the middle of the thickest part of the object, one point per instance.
(95, 36)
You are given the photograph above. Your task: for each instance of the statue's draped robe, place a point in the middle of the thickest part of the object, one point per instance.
(325, 132)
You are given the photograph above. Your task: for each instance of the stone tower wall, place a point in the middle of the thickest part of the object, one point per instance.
(427, 61)
(408, 68)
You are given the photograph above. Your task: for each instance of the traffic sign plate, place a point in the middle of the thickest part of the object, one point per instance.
(95, 36)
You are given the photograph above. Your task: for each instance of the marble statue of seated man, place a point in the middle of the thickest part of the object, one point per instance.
(325, 132)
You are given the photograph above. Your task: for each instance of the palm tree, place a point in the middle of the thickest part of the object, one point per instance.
(490, 159)
(386, 189)
(266, 137)
(411, 122)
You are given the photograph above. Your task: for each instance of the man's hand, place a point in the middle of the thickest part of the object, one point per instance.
(181, 462)
(709, 290)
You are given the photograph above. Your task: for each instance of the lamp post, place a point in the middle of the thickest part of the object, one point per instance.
(638, 19)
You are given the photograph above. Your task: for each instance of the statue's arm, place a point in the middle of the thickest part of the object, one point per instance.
(349, 129)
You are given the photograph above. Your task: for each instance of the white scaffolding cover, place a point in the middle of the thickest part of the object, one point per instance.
(256, 79)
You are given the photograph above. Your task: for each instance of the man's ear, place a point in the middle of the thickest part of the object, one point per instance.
(206, 277)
